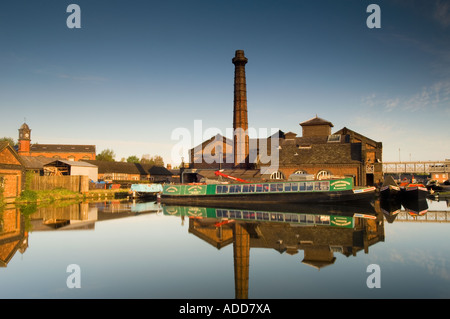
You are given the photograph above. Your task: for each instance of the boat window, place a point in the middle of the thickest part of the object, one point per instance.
(309, 186)
(251, 188)
(259, 216)
(302, 218)
(324, 186)
(302, 187)
(287, 217)
(231, 189)
(265, 187)
(294, 187)
(325, 219)
(265, 216)
(245, 188)
(273, 187)
(294, 218)
(219, 189)
(287, 187)
(317, 220)
(317, 186)
(259, 188)
(310, 219)
(280, 187)
(246, 215)
(238, 188)
(279, 217)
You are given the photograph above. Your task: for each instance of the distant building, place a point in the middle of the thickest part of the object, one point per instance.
(12, 172)
(55, 151)
(124, 171)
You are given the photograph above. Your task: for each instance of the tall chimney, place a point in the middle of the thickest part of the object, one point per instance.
(240, 120)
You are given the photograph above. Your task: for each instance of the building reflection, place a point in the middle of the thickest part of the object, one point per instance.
(13, 234)
(16, 222)
(319, 231)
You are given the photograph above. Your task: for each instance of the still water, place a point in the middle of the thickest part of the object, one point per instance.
(126, 249)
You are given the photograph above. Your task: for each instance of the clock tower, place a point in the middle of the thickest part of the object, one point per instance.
(24, 140)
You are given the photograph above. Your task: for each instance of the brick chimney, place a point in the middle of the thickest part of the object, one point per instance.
(240, 119)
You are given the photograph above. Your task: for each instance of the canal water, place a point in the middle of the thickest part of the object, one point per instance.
(131, 249)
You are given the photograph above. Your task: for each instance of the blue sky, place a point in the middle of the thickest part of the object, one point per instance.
(137, 70)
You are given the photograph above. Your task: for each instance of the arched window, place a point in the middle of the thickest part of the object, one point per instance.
(300, 172)
(277, 175)
(323, 174)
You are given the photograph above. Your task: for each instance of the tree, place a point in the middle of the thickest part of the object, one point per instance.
(106, 155)
(133, 159)
(10, 140)
(155, 160)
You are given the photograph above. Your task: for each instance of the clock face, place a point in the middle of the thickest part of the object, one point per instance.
(26, 135)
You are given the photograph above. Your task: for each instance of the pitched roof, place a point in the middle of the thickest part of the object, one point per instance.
(316, 121)
(71, 163)
(129, 168)
(35, 162)
(6, 145)
(62, 148)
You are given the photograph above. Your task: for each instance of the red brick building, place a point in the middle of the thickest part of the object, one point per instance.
(11, 173)
(318, 152)
(55, 151)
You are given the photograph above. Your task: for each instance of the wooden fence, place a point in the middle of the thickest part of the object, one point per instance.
(75, 183)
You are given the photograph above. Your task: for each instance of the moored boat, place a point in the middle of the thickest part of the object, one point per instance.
(389, 190)
(145, 190)
(317, 191)
(413, 192)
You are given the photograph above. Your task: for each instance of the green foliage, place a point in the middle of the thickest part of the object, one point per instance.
(133, 159)
(10, 140)
(155, 160)
(106, 155)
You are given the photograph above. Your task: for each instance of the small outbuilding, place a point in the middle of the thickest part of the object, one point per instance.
(63, 167)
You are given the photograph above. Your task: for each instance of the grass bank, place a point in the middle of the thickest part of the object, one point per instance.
(57, 194)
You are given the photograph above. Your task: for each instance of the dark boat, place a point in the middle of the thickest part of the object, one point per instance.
(413, 192)
(389, 190)
(289, 192)
(416, 207)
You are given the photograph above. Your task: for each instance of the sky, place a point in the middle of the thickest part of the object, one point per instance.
(137, 72)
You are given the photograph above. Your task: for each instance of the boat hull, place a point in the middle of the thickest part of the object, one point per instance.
(414, 193)
(277, 198)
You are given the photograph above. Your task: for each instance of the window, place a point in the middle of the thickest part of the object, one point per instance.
(280, 187)
(251, 188)
(287, 187)
(245, 188)
(294, 187)
(323, 174)
(334, 138)
(277, 175)
(300, 172)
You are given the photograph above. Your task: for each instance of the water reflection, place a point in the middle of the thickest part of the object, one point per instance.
(319, 231)
(314, 234)
(17, 222)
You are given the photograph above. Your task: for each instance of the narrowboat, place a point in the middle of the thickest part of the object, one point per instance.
(389, 190)
(145, 190)
(413, 192)
(320, 217)
(289, 192)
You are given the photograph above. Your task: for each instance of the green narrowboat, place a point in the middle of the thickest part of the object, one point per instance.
(289, 192)
(307, 219)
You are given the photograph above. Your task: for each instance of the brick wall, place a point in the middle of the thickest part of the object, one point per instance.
(66, 156)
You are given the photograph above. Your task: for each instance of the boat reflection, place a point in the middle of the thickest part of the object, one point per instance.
(319, 231)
